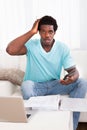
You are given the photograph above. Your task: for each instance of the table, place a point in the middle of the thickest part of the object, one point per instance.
(43, 120)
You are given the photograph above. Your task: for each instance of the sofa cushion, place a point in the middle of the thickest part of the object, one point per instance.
(13, 75)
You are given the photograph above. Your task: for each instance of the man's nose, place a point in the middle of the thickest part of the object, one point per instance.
(47, 34)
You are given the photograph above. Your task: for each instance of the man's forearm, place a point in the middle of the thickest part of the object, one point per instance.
(17, 44)
(72, 72)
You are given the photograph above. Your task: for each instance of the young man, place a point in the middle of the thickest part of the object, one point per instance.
(45, 59)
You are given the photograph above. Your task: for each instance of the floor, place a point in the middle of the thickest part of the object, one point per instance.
(82, 126)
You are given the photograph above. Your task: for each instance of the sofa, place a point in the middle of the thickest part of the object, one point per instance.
(10, 65)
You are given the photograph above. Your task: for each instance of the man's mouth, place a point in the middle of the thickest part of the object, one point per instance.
(47, 40)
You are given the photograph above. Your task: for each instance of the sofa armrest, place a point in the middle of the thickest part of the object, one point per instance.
(17, 91)
(6, 88)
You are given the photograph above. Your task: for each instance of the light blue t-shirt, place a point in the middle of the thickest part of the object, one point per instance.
(44, 66)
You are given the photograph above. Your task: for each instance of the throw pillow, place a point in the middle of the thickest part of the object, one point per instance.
(13, 75)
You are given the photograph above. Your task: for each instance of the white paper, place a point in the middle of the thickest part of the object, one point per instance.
(50, 102)
(74, 104)
(56, 102)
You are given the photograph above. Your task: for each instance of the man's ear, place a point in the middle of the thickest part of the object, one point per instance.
(39, 32)
(54, 32)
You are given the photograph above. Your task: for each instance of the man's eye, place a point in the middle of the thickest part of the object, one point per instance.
(50, 32)
(43, 31)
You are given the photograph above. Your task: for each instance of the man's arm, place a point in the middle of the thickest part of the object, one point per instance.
(72, 76)
(17, 46)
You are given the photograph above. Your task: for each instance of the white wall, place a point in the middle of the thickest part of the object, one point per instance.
(82, 21)
(72, 27)
(83, 24)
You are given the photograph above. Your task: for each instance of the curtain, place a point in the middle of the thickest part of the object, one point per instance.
(67, 13)
(12, 21)
(18, 16)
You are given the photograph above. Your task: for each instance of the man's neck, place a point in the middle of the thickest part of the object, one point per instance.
(47, 48)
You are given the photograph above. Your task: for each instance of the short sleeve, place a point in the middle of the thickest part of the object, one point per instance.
(68, 61)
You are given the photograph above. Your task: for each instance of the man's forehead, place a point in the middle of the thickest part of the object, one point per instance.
(46, 26)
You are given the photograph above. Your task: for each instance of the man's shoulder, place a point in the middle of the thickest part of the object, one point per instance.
(61, 45)
(32, 42)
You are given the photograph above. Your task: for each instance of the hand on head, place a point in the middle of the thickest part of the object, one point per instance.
(35, 26)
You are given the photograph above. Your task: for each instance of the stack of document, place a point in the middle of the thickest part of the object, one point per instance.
(74, 104)
(56, 102)
(50, 102)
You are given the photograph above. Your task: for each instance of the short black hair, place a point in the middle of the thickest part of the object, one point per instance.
(48, 20)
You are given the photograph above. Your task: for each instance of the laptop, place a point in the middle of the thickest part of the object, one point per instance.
(12, 109)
